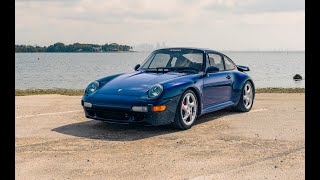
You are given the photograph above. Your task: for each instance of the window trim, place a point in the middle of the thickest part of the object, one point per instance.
(231, 62)
(224, 66)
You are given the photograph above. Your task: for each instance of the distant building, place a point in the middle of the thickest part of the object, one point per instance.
(146, 47)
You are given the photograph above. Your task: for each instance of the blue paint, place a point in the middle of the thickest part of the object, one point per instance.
(118, 93)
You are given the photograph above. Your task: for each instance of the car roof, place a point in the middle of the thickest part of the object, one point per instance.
(205, 50)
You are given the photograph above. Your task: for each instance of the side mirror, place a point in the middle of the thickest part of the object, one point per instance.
(243, 68)
(211, 69)
(136, 67)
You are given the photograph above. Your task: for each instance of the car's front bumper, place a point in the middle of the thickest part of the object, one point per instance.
(124, 114)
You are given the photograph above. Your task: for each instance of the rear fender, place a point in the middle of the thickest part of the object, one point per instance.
(239, 81)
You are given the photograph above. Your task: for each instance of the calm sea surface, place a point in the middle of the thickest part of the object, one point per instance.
(76, 70)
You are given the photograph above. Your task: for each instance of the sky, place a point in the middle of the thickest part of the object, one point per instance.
(214, 24)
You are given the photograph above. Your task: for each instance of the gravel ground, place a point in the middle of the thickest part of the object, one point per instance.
(55, 141)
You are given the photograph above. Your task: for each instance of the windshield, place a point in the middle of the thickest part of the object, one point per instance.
(174, 59)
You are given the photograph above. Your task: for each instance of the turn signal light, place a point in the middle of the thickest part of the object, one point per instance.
(159, 108)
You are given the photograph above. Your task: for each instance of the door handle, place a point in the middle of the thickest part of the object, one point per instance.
(228, 77)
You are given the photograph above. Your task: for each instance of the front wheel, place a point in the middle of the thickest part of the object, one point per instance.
(246, 98)
(186, 111)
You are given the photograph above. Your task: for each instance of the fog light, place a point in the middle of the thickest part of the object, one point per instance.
(159, 108)
(140, 108)
(87, 104)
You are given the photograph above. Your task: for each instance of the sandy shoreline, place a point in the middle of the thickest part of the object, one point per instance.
(55, 141)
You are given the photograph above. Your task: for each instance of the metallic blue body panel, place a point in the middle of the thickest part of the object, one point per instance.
(122, 91)
(217, 88)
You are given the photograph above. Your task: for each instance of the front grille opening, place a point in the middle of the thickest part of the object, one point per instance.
(113, 115)
(139, 116)
(90, 112)
(119, 115)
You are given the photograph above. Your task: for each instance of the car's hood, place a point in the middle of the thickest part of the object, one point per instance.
(136, 83)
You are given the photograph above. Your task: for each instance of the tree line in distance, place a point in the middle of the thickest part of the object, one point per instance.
(76, 47)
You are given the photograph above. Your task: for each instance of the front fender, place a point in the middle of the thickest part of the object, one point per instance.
(104, 80)
(172, 94)
(176, 88)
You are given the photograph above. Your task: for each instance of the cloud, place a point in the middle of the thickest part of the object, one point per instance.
(181, 22)
(101, 11)
(255, 6)
(46, 1)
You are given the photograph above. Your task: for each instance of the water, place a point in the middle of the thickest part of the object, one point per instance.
(76, 70)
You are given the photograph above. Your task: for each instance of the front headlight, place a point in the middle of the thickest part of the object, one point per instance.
(92, 87)
(155, 91)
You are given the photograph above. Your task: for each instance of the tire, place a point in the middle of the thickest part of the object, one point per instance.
(186, 112)
(246, 99)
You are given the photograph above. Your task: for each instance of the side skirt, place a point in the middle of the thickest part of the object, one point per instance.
(217, 107)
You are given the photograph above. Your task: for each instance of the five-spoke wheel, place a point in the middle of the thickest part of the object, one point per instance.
(186, 111)
(247, 95)
(246, 99)
(189, 108)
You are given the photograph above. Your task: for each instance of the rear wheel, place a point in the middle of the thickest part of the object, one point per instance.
(246, 99)
(186, 112)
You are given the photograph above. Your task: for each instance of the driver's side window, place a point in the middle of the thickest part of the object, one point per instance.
(216, 60)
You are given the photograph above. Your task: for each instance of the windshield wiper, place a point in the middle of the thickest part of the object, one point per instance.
(168, 69)
(186, 69)
(159, 69)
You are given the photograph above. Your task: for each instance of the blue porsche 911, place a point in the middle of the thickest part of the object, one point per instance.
(172, 86)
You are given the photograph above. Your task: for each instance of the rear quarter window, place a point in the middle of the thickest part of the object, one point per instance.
(228, 63)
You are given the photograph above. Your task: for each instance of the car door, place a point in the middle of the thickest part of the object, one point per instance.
(230, 68)
(217, 85)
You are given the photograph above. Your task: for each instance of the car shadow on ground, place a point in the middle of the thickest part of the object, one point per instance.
(125, 132)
